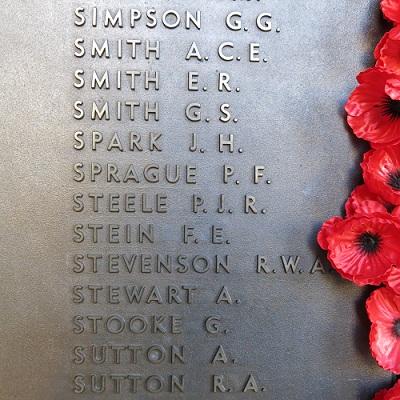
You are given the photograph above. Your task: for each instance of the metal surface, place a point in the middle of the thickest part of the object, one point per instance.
(297, 336)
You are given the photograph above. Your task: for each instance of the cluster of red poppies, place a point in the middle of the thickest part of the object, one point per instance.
(364, 247)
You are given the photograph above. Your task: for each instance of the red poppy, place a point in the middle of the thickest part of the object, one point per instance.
(383, 308)
(363, 201)
(362, 248)
(391, 10)
(374, 107)
(389, 394)
(388, 50)
(381, 170)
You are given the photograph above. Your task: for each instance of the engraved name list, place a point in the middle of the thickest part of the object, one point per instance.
(170, 181)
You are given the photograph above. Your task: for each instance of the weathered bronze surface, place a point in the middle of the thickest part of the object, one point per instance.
(228, 314)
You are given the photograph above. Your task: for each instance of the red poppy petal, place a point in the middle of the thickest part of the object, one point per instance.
(327, 230)
(381, 45)
(375, 127)
(391, 10)
(381, 395)
(393, 280)
(368, 207)
(395, 142)
(372, 75)
(363, 99)
(394, 34)
(378, 127)
(360, 268)
(383, 306)
(385, 347)
(363, 201)
(357, 280)
(388, 50)
(392, 88)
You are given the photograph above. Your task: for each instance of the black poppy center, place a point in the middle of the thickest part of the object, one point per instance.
(369, 242)
(396, 328)
(394, 180)
(392, 107)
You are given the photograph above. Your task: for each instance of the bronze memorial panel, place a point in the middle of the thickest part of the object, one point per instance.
(166, 166)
